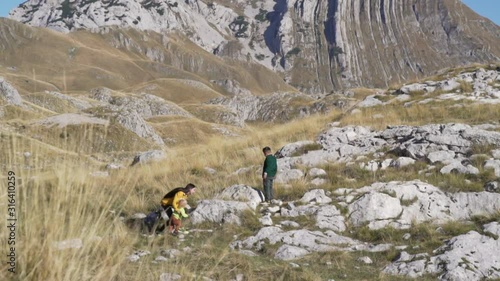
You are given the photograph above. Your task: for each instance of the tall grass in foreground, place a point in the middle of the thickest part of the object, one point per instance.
(57, 205)
(59, 201)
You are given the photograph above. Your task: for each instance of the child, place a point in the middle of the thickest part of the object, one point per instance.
(175, 219)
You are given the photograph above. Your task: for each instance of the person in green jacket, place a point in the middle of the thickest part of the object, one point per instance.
(268, 173)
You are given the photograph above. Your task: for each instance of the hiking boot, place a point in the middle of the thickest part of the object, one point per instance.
(175, 233)
(183, 231)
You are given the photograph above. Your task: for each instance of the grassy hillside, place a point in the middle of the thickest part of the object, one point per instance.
(36, 59)
(62, 201)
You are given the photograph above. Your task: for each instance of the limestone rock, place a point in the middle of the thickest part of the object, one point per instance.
(285, 176)
(289, 149)
(493, 164)
(316, 195)
(170, 277)
(218, 211)
(149, 156)
(374, 206)
(9, 93)
(242, 193)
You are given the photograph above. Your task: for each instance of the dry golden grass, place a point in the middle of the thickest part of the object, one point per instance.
(443, 112)
(63, 202)
(80, 61)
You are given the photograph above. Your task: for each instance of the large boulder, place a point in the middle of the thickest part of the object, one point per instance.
(329, 217)
(470, 256)
(148, 156)
(458, 167)
(219, 211)
(316, 195)
(285, 176)
(132, 121)
(415, 202)
(374, 206)
(9, 93)
(243, 193)
(297, 243)
(289, 149)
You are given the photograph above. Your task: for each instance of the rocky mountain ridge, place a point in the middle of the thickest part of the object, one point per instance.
(319, 46)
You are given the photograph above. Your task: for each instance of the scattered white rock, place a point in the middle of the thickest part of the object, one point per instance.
(149, 156)
(459, 168)
(170, 277)
(318, 181)
(266, 220)
(68, 244)
(161, 259)
(365, 260)
(444, 156)
(211, 171)
(317, 196)
(492, 186)
(290, 224)
(316, 172)
(138, 216)
(9, 93)
(402, 162)
(496, 153)
(493, 164)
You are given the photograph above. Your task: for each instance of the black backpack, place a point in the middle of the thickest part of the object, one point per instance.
(154, 218)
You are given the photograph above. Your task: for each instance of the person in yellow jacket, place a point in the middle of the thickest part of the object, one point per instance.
(170, 201)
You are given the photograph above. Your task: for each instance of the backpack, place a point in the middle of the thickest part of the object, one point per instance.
(153, 219)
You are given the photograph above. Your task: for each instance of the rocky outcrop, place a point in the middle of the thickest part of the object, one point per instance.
(219, 211)
(148, 156)
(242, 193)
(146, 105)
(9, 93)
(471, 256)
(279, 107)
(132, 121)
(206, 23)
(401, 204)
(63, 120)
(480, 86)
(298, 243)
(132, 111)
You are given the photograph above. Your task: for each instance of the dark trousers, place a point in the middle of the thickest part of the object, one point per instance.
(268, 188)
(164, 223)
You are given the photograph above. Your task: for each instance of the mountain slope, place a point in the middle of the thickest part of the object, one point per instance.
(319, 45)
